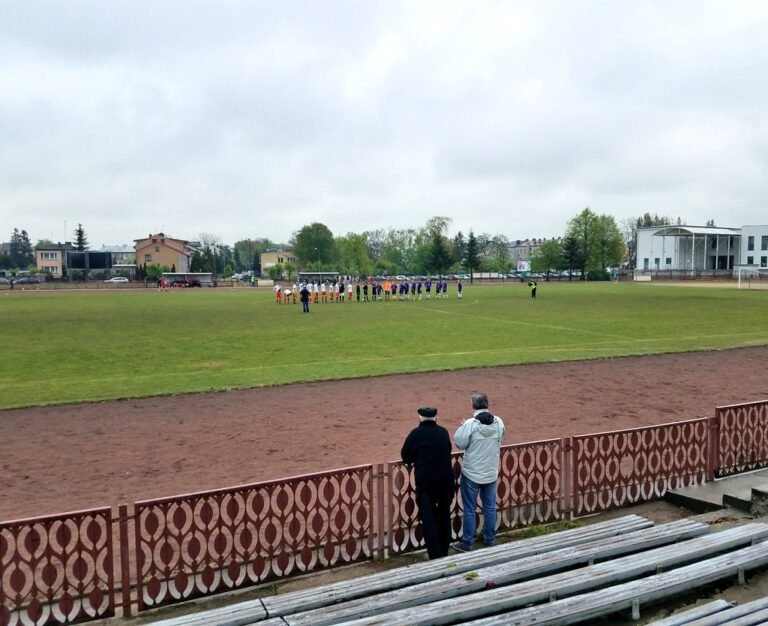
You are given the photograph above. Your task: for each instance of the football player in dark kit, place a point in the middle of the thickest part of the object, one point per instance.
(428, 449)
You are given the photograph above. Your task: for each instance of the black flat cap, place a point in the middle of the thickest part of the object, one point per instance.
(428, 411)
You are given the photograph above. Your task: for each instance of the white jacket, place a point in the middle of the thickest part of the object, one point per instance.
(480, 439)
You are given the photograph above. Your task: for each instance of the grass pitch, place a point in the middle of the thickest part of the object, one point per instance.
(88, 346)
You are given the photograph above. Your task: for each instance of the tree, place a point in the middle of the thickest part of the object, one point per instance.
(20, 253)
(202, 261)
(439, 253)
(583, 229)
(290, 269)
(314, 245)
(572, 254)
(81, 241)
(276, 271)
(155, 270)
(609, 243)
(355, 257)
(472, 255)
(548, 257)
(459, 248)
(498, 250)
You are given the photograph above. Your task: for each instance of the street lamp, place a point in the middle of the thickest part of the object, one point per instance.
(318, 258)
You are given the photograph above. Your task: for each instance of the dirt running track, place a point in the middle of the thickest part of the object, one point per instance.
(58, 459)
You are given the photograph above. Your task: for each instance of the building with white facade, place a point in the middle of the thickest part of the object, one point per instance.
(692, 249)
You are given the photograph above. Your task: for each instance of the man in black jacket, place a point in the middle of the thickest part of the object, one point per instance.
(428, 449)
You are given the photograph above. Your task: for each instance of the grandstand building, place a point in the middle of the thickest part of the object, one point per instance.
(690, 249)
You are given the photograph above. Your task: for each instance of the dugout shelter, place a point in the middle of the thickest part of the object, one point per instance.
(318, 277)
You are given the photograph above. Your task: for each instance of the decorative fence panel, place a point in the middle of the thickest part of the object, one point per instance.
(204, 543)
(615, 469)
(57, 569)
(530, 490)
(743, 437)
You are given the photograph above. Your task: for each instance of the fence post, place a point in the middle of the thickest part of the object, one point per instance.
(566, 477)
(379, 474)
(125, 567)
(713, 446)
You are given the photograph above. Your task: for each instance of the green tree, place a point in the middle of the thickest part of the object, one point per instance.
(276, 271)
(548, 257)
(583, 229)
(609, 243)
(439, 254)
(472, 255)
(290, 269)
(202, 261)
(155, 270)
(315, 246)
(572, 254)
(355, 254)
(20, 253)
(498, 251)
(459, 248)
(81, 241)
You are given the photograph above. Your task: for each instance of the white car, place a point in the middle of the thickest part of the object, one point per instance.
(117, 279)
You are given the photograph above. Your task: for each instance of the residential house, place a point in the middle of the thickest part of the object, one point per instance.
(52, 258)
(270, 258)
(159, 249)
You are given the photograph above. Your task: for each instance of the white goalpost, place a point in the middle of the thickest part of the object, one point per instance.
(749, 274)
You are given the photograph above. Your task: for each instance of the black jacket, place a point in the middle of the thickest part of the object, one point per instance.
(428, 448)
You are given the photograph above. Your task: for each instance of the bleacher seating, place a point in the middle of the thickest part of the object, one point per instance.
(565, 577)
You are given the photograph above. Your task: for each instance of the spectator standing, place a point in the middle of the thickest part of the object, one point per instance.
(304, 297)
(428, 449)
(480, 437)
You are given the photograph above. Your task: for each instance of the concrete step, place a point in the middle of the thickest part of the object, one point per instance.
(745, 492)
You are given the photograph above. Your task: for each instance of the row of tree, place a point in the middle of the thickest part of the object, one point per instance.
(590, 242)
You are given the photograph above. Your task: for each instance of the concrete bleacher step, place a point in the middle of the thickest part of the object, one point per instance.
(568, 583)
(684, 618)
(283, 604)
(500, 574)
(740, 492)
(633, 595)
(747, 614)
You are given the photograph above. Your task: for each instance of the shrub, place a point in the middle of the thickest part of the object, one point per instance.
(598, 275)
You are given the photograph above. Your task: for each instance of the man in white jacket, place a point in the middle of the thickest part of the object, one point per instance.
(480, 437)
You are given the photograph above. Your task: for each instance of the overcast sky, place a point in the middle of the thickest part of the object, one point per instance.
(251, 119)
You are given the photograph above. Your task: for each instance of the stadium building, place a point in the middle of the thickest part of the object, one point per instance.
(692, 249)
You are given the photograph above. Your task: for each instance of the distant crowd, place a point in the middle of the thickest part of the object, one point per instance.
(378, 291)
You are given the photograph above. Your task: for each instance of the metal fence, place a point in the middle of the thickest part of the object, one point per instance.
(60, 569)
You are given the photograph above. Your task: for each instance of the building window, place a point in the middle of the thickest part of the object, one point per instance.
(657, 262)
(764, 261)
(750, 243)
(51, 269)
(148, 258)
(645, 264)
(750, 260)
(157, 248)
(669, 260)
(49, 256)
(764, 242)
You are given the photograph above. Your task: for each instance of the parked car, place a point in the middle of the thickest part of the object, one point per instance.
(25, 280)
(117, 279)
(4, 281)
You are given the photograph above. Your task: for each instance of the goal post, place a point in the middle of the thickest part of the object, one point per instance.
(747, 274)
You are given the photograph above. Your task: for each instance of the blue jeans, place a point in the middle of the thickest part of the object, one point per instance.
(469, 490)
(306, 307)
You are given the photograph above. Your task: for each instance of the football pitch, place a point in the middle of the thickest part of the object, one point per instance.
(60, 348)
